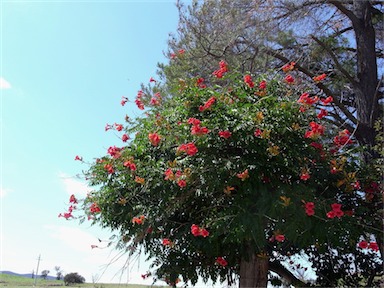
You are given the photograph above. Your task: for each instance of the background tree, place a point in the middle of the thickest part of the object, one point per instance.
(73, 278)
(232, 178)
(342, 39)
(59, 272)
(44, 274)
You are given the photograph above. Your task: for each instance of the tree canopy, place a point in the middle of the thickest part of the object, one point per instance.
(240, 173)
(249, 152)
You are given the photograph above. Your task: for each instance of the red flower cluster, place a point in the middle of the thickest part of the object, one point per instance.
(243, 175)
(154, 138)
(307, 100)
(188, 148)
(263, 85)
(118, 127)
(78, 158)
(67, 215)
(169, 174)
(107, 127)
(317, 145)
(114, 151)
(248, 81)
(223, 68)
(371, 245)
(179, 177)
(327, 100)
(315, 131)
(179, 53)
(166, 242)
(130, 165)
(72, 199)
(288, 67)
(138, 101)
(94, 208)
(109, 168)
(258, 132)
(319, 78)
(277, 237)
(225, 134)
(155, 100)
(336, 211)
(145, 276)
(310, 208)
(289, 79)
(305, 175)
(207, 104)
(196, 129)
(198, 231)
(138, 220)
(343, 138)
(200, 83)
(322, 113)
(125, 138)
(221, 261)
(123, 100)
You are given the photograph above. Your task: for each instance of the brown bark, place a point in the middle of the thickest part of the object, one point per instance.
(366, 84)
(254, 272)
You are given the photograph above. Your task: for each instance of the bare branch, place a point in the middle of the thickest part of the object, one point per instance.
(344, 10)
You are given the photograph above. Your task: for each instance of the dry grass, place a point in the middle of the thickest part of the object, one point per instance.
(12, 281)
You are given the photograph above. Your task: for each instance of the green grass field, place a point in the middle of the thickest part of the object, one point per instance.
(18, 282)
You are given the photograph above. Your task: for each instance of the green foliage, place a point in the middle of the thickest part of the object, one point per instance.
(247, 182)
(73, 278)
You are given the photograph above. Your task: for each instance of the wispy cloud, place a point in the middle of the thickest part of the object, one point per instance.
(4, 192)
(73, 237)
(73, 185)
(4, 84)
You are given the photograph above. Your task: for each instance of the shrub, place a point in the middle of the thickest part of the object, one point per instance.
(73, 278)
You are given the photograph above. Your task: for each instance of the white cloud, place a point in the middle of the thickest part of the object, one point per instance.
(73, 185)
(4, 191)
(4, 84)
(75, 238)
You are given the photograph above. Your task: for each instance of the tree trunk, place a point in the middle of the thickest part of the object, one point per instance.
(366, 87)
(254, 272)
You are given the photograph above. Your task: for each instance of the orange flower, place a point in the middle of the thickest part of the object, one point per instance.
(319, 78)
(154, 138)
(138, 220)
(243, 175)
(228, 189)
(288, 67)
(139, 180)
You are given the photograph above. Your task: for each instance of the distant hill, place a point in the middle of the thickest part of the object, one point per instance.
(25, 275)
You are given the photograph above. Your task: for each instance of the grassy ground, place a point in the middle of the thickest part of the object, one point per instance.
(22, 282)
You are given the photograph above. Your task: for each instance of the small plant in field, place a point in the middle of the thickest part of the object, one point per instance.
(73, 278)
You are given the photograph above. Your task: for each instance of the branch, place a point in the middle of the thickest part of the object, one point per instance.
(334, 58)
(342, 31)
(320, 85)
(285, 273)
(344, 10)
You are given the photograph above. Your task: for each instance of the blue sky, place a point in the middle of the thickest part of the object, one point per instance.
(64, 67)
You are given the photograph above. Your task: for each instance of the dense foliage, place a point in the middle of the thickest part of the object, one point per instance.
(73, 278)
(242, 166)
